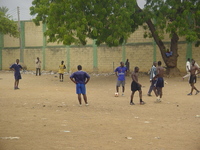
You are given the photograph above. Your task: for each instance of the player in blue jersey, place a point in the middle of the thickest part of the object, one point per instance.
(120, 73)
(16, 67)
(80, 78)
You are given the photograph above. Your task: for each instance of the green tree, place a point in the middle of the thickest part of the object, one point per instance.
(112, 22)
(7, 26)
(71, 21)
(176, 18)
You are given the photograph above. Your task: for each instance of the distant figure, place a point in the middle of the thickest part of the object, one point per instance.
(193, 77)
(187, 68)
(159, 83)
(38, 66)
(152, 75)
(120, 72)
(80, 78)
(127, 64)
(16, 67)
(136, 86)
(61, 71)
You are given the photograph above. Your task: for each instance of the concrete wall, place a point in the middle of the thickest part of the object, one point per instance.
(140, 52)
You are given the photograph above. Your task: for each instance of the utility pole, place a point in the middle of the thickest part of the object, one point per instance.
(20, 37)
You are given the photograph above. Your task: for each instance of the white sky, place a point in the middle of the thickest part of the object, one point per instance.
(24, 6)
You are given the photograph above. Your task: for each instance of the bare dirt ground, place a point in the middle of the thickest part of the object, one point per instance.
(44, 115)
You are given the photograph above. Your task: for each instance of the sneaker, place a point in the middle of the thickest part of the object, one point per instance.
(190, 94)
(122, 94)
(80, 105)
(149, 94)
(87, 104)
(157, 101)
(131, 103)
(142, 103)
(197, 92)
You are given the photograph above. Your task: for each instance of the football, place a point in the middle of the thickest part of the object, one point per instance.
(116, 94)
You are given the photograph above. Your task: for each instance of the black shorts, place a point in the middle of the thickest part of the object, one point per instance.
(193, 79)
(135, 86)
(159, 82)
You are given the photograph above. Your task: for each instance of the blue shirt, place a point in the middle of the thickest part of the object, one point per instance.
(16, 68)
(80, 76)
(121, 73)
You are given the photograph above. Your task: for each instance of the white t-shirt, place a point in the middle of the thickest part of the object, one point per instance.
(37, 63)
(188, 66)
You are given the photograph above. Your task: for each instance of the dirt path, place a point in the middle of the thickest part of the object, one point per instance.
(44, 115)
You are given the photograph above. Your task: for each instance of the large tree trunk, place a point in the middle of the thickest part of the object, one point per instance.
(171, 61)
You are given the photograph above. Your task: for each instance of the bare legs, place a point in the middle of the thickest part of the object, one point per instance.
(123, 89)
(61, 77)
(16, 84)
(158, 93)
(84, 97)
(140, 95)
(193, 88)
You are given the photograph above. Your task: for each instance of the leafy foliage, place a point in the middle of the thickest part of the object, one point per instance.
(70, 21)
(7, 26)
(112, 21)
(175, 16)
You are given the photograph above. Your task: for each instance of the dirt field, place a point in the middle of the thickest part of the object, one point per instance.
(44, 115)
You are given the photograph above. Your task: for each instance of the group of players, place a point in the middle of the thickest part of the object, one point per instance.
(156, 78)
(81, 78)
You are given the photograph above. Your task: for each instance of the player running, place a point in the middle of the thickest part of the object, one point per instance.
(193, 77)
(159, 83)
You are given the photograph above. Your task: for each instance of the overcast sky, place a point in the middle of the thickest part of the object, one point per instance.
(24, 6)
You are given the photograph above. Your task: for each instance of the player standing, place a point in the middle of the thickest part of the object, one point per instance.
(38, 66)
(61, 71)
(120, 72)
(136, 86)
(16, 67)
(80, 78)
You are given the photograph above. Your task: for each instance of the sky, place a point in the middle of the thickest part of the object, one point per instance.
(24, 6)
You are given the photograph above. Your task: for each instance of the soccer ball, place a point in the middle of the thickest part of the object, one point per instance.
(116, 94)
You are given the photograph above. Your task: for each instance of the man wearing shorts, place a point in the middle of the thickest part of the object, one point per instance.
(80, 78)
(136, 86)
(16, 67)
(193, 77)
(159, 83)
(120, 73)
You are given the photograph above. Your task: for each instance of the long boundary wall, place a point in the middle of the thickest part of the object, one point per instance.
(140, 52)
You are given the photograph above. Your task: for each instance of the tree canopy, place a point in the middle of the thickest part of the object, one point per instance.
(112, 21)
(7, 26)
(71, 22)
(175, 16)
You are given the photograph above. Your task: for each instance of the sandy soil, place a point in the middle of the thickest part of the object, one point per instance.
(44, 115)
